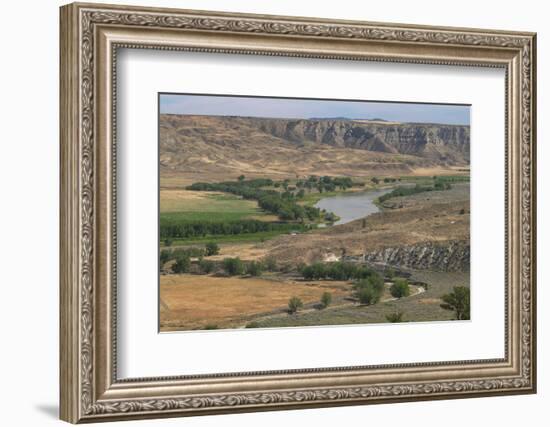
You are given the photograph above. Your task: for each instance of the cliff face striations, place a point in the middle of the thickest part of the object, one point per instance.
(234, 145)
(442, 256)
(442, 143)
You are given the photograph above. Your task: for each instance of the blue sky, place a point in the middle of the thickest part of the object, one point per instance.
(307, 108)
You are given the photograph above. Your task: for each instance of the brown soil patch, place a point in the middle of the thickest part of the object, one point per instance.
(244, 251)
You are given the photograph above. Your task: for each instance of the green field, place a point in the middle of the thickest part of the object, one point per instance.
(208, 216)
(207, 206)
(189, 206)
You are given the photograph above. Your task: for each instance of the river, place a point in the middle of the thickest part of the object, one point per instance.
(352, 206)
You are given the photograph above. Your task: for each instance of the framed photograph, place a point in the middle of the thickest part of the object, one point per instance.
(265, 213)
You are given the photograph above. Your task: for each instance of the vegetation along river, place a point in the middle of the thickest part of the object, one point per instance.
(352, 206)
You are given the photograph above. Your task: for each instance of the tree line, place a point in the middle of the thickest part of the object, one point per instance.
(439, 185)
(177, 228)
(335, 271)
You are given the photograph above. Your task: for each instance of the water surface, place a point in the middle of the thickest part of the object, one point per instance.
(351, 206)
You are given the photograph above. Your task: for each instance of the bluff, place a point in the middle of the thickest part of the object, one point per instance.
(443, 144)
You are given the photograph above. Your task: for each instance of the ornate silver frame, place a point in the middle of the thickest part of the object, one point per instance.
(90, 36)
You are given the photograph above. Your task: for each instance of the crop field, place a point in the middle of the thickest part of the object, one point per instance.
(204, 205)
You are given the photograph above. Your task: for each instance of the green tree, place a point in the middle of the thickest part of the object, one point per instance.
(326, 299)
(254, 268)
(400, 288)
(458, 301)
(241, 178)
(233, 266)
(168, 242)
(368, 295)
(181, 265)
(375, 180)
(212, 249)
(294, 304)
(370, 290)
(373, 280)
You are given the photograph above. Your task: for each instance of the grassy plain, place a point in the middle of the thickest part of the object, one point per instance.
(196, 302)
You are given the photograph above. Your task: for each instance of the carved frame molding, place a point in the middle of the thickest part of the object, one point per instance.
(90, 36)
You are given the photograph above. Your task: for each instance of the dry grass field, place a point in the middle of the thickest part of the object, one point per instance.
(195, 302)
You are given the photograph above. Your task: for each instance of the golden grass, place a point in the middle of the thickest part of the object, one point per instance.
(193, 302)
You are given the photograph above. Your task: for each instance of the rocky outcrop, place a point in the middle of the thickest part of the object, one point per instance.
(449, 256)
(443, 144)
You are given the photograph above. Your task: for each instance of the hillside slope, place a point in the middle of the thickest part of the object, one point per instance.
(221, 145)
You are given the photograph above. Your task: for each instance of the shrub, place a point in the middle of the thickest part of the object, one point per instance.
(458, 301)
(294, 304)
(211, 326)
(270, 264)
(326, 299)
(396, 317)
(181, 265)
(168, 242)
(188, 252)
(252, 325)
(254, 268)
(330, 217)
(206, 266)
(212, 249)
(389, 273)
(400, 288)
(165, 256)
(233, 266)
